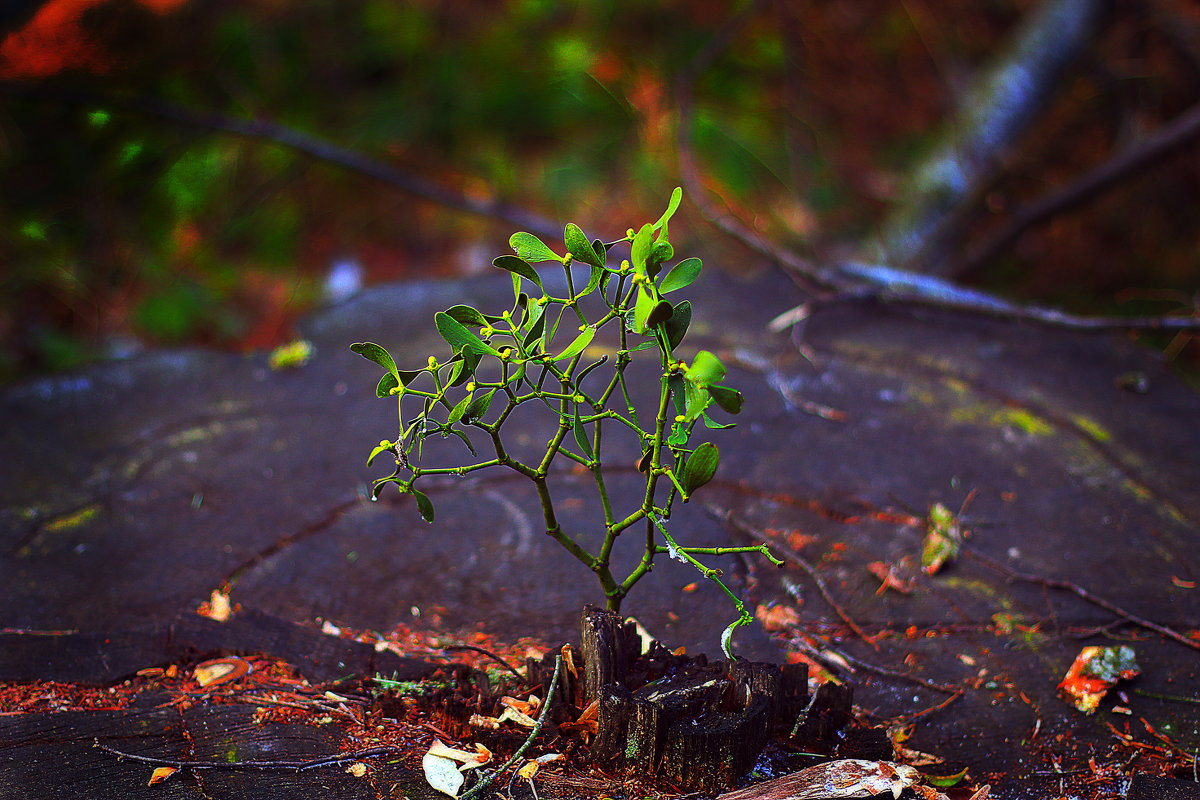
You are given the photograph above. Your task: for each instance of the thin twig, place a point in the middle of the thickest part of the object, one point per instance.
(1083, 594)
(945, 688)
(480, 787)
(726, 516)
(487, 653)
(296, 766)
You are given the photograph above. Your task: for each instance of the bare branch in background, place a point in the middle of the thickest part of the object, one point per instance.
(925, 227)
(812, 275)
(1161, 144)
(1013, 93)
(309, 145)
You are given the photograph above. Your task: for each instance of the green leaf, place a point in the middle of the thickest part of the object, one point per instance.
(531, 248)
(382, 447)
(709, 422)
(462, 436)
(373, 352)
(458, 337)
(727, 635)
(677, 325)
(598, 274)
(378, 486)
(681, 275)
(706, 369)
(676, 384)
(678, 437)
(660, 252)
(536, 329)
(576, 347)
(676, 196)
(518, 266)
(478, 407)
(580, 247)
(946, 781)
(661, 312)
(386, 384)
(639, 251)
(464, 369)
(581, 438)
(424, 505)
(579, 378)
(468, 316)
(730, 400)
(648, 312)
(460, 408)
(700, 467)
(695, 400)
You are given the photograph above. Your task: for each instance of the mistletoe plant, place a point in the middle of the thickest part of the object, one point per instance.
(504, 361)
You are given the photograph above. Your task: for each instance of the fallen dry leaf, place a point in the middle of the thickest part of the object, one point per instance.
(528, 770)
(777, 617)
(357, 769)
(568, 657)
(887, 574)
(219, 671)
(468, 759)
(217, 607)
(160, 774)
(1095, 671)
(516, 716)
(529, 706)
(442, 774)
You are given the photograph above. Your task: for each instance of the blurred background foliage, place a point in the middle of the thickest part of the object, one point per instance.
(121, 227)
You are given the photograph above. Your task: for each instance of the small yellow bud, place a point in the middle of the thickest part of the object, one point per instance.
(432, 362)
(471, 386)
(629, 233)
(395, 390)
(680, 417)
(384, 443)
(541, 301)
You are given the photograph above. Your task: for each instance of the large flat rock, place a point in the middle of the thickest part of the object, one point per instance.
(131, 490)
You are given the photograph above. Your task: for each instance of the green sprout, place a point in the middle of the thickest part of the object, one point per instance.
(537, 352)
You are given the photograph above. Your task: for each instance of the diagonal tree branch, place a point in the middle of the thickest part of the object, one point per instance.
(1164, 142)
(312, 146)
(868, 281)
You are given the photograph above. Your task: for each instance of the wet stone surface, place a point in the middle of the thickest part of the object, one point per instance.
(130, 491)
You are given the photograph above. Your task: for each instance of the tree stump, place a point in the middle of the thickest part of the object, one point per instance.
(699, 725)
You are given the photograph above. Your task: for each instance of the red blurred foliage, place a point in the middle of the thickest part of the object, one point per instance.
(56, 40)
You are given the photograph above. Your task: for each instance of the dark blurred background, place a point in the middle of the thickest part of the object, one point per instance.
(136, 213)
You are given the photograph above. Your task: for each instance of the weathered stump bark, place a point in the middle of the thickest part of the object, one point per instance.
(700, 726)
(830, 713)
